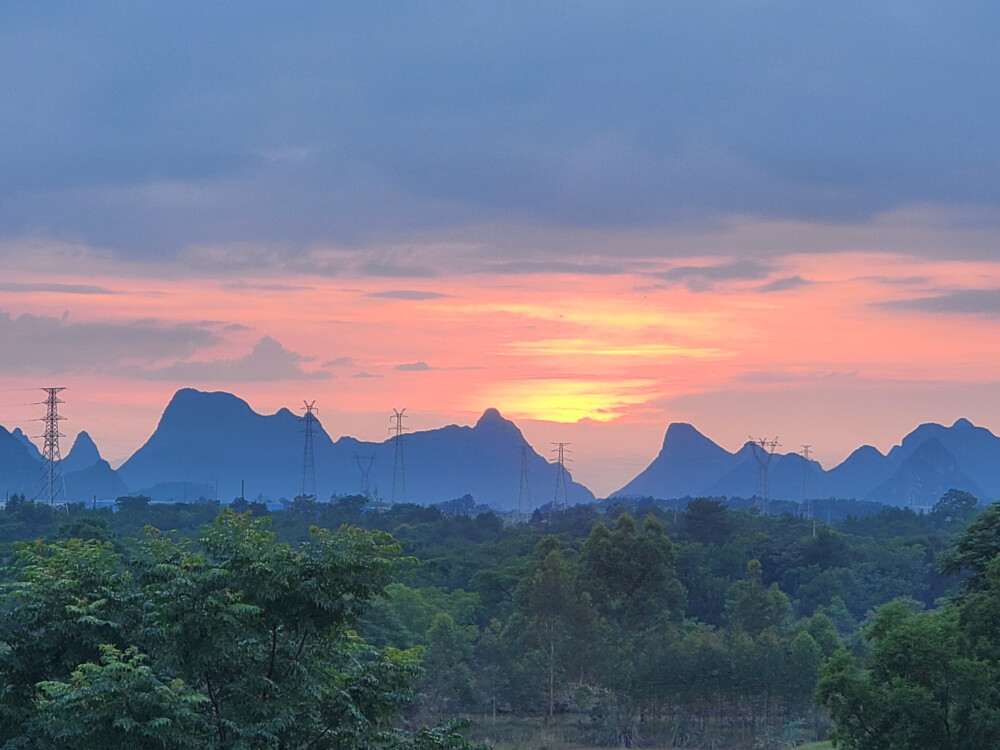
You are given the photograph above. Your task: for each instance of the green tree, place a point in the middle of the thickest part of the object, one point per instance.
(975, 549)
(553, 619)
(236, 641)
(954, 506)
(752, 608)
(119, 703)
(448, 679)
(630, 574)
(917, 690)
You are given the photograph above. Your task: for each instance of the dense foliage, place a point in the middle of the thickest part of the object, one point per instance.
(927, 679)
(236, 641)
(646, 623)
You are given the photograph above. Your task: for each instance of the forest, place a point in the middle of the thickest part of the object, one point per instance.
(620, 624)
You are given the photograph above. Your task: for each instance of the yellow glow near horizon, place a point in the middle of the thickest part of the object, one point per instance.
(589, 347)
(568, 401)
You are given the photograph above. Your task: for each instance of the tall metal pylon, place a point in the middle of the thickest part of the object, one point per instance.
(524, 490)
(53, 483)
(561, 499)
(365, 465)
(763, 456)
(911, 493)
(308, 457)
(807, 503)
(398, 469)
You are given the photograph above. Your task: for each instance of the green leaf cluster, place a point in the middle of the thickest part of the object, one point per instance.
(235, 640)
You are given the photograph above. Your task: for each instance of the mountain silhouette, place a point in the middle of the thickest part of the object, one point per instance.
(687, 464)
(20, 470)
(216, 440)
(929, 461)
(924, 476)
(87, 475)
(82, 455)
(213, 445)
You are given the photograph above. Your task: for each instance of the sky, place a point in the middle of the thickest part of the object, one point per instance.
(768, 219)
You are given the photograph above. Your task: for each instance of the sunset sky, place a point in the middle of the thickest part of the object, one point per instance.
(768, 219)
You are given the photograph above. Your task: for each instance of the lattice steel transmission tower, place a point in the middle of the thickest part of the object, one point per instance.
(53, 483)
(524, 490)
(912, 491)
(398, 469)
(807, 503)
(561, 499)
(365, 465)
(763, 455)
(308, 457)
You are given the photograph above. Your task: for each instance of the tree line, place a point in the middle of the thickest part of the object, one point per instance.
(631, 623)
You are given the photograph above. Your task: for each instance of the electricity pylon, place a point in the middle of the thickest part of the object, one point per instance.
(53, 483)
(524, 491)
(561, 499)
(398, 469)
(365, 465)
(308, 458)
(763, 457)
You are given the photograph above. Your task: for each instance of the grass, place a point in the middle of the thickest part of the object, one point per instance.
(569, 732)
(564, 733)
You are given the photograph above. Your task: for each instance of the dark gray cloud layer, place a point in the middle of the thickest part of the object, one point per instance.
(148, 127)
(269, 361)
(32, 342)
(969, 301)
(407, 294)
(704, 278)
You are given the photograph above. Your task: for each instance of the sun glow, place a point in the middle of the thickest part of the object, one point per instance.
(570, 400)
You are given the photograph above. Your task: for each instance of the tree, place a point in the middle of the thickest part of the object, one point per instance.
(707, 521)
(631, 575)
(930, 680)
(554, 620)
(751, 608)
(975, 549)
(236, 641)
(954, 506)
(917, 690)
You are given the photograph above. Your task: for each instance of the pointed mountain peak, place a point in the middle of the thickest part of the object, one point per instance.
(682, 436)
(82, 455)
(491, 416)
(85, 446)
(680, 431)
(18, 435)
(494, 424)
(962, 424)
(930, 448)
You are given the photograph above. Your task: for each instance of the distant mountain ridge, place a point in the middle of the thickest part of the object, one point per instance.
(215, 441)
(213, 445)
(929, 461)
(86, 475)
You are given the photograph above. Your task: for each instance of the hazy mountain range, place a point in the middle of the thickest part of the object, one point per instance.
(214, 445)
(86, 475)
(930, 460)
